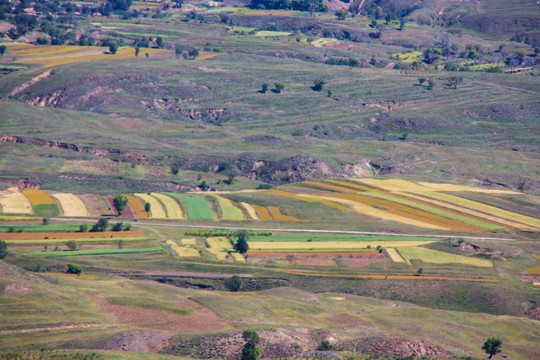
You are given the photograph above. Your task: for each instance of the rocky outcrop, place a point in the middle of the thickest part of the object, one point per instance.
(100, 151)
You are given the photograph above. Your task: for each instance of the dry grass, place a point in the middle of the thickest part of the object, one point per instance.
(156, 209)
(189, 242)
(13, 202)
(71, 205)
(394, 255)
(274, 211)
(222, 249)
(440, 257)
(38, 197)
(138, 207)
(331, 245)
(306, 197)
(174, 211)
(459, 188)
(183, 252)
(251, 211)
(264, 215)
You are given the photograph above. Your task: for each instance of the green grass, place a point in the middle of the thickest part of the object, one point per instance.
(337, 238)
(98, 251)
(46, 209)
(87, 240)
(439, 257)
(229, 212)
(41, 228)
(197, 207)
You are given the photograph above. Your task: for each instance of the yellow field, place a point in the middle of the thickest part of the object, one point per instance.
(461, 209)
(308, 198)
(331, 245)
(38, 197)
(394, 255)
(379, 213)
(189, 242)
(173, 209)
(50, 50)
(183, 252)
(13, 202)
(395, 185)
(458, 188)
(323, 41)
(278, 216)
(440, 257)
(156, 209)
(71, 205)
(84, 53)
(208, 56)
(222, 249)
(251, 211)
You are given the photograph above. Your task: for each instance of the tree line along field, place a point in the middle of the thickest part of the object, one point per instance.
(435, 206)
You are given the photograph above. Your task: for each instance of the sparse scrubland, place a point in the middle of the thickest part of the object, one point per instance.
(345, 180)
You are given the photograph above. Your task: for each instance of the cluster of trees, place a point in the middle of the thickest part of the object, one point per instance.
(300, 5)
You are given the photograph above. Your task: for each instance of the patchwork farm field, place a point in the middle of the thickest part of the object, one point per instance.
(379, 158)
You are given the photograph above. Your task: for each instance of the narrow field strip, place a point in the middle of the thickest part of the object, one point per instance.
(394, 255)
(69, 235)
(173, 209)
(459, 188)
(331, 238)
(62, 241)
(331, 245)
(197, 208)
(391, 277)
(137, 205)
(228, 210)
(382, 214)
(461, 209)
(156, 209)
(14, 202)
(219, 247)
(440, 257)
(97, 252)
(307, 198)
(264, 215)
(95, 205)
(38, 197)
(71, 205)
(251, 211)
(314, 253)
(324, 186)
(407, 211)
(394, 185)
(278, 216)
(498, 212)
(433, 210)
(182, 251)
(352, 186)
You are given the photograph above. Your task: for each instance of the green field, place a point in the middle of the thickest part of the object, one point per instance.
(439, 257)
(98, 252)
(338, 238)
(40, 228)
(46, 209)
(197, 207)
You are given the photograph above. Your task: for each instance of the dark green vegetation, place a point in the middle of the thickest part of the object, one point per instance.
(238, 95)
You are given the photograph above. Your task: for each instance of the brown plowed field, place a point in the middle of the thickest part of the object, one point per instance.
(126, 214)
(69, 235)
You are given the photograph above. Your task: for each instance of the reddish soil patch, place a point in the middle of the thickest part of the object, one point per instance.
(126, 214)
(69, 235)
(204, 319)
(323, 258)
(96, 205)
(138, 341)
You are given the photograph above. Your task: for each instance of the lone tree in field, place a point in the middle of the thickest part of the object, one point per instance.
(74, 269)
(159, 42)
(147, 207)
(3, 49)
(250, 351)
(233, 283)
(120, 203)
(113, 47)
(492, 346)
(264, 88)
(454, 81)
(3, 249)
(341, 14)
(241, 244)
(280, 87)
(318, 84)
(101, 225)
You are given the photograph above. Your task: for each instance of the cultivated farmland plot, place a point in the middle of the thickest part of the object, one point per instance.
(71, 205)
